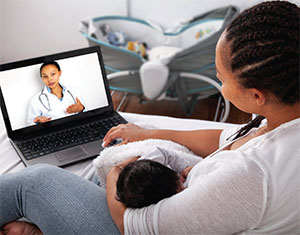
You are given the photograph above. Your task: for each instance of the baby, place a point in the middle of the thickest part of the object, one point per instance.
(149, 179)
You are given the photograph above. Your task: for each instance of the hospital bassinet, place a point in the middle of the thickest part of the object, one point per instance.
(182, 65)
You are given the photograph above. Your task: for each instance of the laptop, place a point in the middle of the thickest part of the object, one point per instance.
(67, 135)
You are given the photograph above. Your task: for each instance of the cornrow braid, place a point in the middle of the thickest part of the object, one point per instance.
(267, 51)
(265, 54)
(264, 51)
(277, 9)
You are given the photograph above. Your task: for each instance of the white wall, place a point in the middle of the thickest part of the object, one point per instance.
(31, 28)
(173, 11)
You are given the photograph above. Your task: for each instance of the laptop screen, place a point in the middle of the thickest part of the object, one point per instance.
(52, 88)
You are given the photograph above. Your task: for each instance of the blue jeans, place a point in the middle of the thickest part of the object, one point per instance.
(57, 201)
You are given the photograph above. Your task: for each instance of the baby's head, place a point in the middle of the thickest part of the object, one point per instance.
(145, 182)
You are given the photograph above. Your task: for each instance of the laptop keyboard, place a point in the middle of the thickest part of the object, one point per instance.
(57, 141)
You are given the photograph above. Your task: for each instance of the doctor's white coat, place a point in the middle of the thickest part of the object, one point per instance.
(44, 103)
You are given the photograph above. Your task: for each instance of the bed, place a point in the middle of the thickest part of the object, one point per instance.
(10, 162)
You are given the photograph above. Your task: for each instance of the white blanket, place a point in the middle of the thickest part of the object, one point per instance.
(111, 156)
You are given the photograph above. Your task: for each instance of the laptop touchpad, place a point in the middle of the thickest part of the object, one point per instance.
(70, 154)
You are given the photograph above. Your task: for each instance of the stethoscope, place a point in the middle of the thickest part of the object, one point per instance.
(49, 107)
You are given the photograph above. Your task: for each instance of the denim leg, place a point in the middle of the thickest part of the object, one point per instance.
(57, 201)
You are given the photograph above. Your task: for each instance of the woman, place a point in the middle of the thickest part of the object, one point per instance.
(250, 184)
(54, 100)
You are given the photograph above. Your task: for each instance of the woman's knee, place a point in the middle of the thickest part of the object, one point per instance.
(40, 172)
(30, 174)
(42, 167)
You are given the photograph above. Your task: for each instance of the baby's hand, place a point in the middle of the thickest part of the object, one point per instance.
(184, 173)
(20, 228)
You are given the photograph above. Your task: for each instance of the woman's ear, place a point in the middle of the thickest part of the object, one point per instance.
(60, 72)
(259, 96)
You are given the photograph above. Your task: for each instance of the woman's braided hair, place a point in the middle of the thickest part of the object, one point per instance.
(264, 51)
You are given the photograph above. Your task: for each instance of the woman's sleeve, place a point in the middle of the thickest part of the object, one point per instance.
(228, 200)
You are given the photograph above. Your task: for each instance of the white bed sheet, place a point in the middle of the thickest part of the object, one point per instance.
(10, 162)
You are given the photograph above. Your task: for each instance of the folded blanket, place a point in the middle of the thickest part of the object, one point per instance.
(111, 156)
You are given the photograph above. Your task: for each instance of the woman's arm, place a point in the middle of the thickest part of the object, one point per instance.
(116, 208)
(201, 142)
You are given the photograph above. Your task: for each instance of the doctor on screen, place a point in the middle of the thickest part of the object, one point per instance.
(54, 100)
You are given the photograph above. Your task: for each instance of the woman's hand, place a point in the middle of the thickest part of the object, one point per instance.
(41, 119)
(128, 132)
(75, 108)
(20, 228)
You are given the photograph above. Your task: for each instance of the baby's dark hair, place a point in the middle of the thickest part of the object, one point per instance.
(264, 51)
(48, 63)
(145, 182)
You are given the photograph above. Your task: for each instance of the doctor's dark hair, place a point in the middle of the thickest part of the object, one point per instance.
(264, 51)
(48, 63)
(145, 182)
